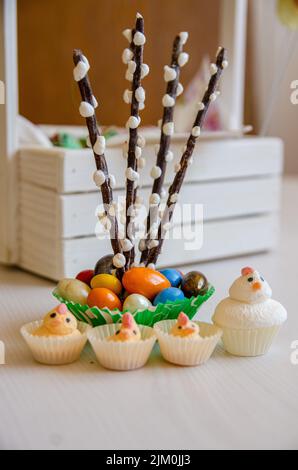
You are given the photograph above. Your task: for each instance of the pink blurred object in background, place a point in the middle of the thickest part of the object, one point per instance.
(186, 107)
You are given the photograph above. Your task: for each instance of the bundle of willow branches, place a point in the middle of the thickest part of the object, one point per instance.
(156, 226)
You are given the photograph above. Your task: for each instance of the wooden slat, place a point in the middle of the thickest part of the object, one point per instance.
(73, 215)
(71, 170)
(237, 236)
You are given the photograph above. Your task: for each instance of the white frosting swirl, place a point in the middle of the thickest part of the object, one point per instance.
(231, 313)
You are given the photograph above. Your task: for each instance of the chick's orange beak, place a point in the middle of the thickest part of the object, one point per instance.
(257, 286)
(56, 322)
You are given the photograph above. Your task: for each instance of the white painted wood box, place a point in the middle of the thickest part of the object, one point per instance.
(48, 199)
(237, 180)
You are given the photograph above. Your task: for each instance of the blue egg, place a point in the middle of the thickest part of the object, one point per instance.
(168, 294)
(174, 276)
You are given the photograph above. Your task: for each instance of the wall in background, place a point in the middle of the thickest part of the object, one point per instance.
(50, 29)
(269, 42)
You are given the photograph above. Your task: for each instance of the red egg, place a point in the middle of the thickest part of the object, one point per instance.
(85, 276)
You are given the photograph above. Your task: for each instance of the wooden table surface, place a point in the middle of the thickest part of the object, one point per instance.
(230, 402)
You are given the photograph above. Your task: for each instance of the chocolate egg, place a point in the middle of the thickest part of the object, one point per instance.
(135, 302)
(85, 276)
(74, 290)
(194, 283)
(104, 265)
(174, 276)
(144, 281)
(124, 295)
(103, 298)
(108, 281)
(170, 294)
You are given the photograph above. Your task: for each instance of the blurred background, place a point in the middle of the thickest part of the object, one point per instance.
(49, 30)
(50, 190)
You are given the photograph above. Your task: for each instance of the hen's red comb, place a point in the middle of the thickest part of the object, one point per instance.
(182, 319)
(127, 320)
(246, 270)
(62, 309)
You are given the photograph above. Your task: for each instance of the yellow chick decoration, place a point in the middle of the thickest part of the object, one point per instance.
(128, 331)
(184, 327)
(58, 322)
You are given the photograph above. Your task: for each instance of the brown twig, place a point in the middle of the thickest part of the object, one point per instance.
(209, 96)
(136, 95)
(102, 177)
(173, 89)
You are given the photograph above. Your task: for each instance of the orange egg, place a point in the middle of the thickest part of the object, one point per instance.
(144, 281)
(101, 297)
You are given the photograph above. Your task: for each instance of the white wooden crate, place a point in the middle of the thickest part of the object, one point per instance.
(236, 180)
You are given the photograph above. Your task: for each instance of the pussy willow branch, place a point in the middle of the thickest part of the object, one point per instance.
(165, 141)
(100, 160)
(174, 189)
(133, 138)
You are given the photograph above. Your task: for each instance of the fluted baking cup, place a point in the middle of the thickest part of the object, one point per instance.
(121, 355)
(187, 351)
(55, 350)
(167, 311)
(249, 342)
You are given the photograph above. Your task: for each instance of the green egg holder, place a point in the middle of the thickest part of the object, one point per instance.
(168, 311)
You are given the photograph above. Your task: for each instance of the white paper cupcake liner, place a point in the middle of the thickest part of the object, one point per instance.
(55, 350)
(121, 355)
(253, 342)
(187, 351)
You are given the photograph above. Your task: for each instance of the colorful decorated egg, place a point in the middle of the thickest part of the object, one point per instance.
(194, 283)
(104, 265)
(135, 302)
(108, 281)
(174, 276)
(169, 294)
(144, 281)
(85, 276)
(101, 297)
(73, 290)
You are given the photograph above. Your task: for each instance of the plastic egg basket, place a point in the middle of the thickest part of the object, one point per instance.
(167, 311)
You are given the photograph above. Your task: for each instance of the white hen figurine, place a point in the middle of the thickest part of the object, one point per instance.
(250, 319)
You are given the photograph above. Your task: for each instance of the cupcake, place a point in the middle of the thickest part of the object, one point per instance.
(122, 346)
(186, 342)
(249, 318)
(57, 339)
